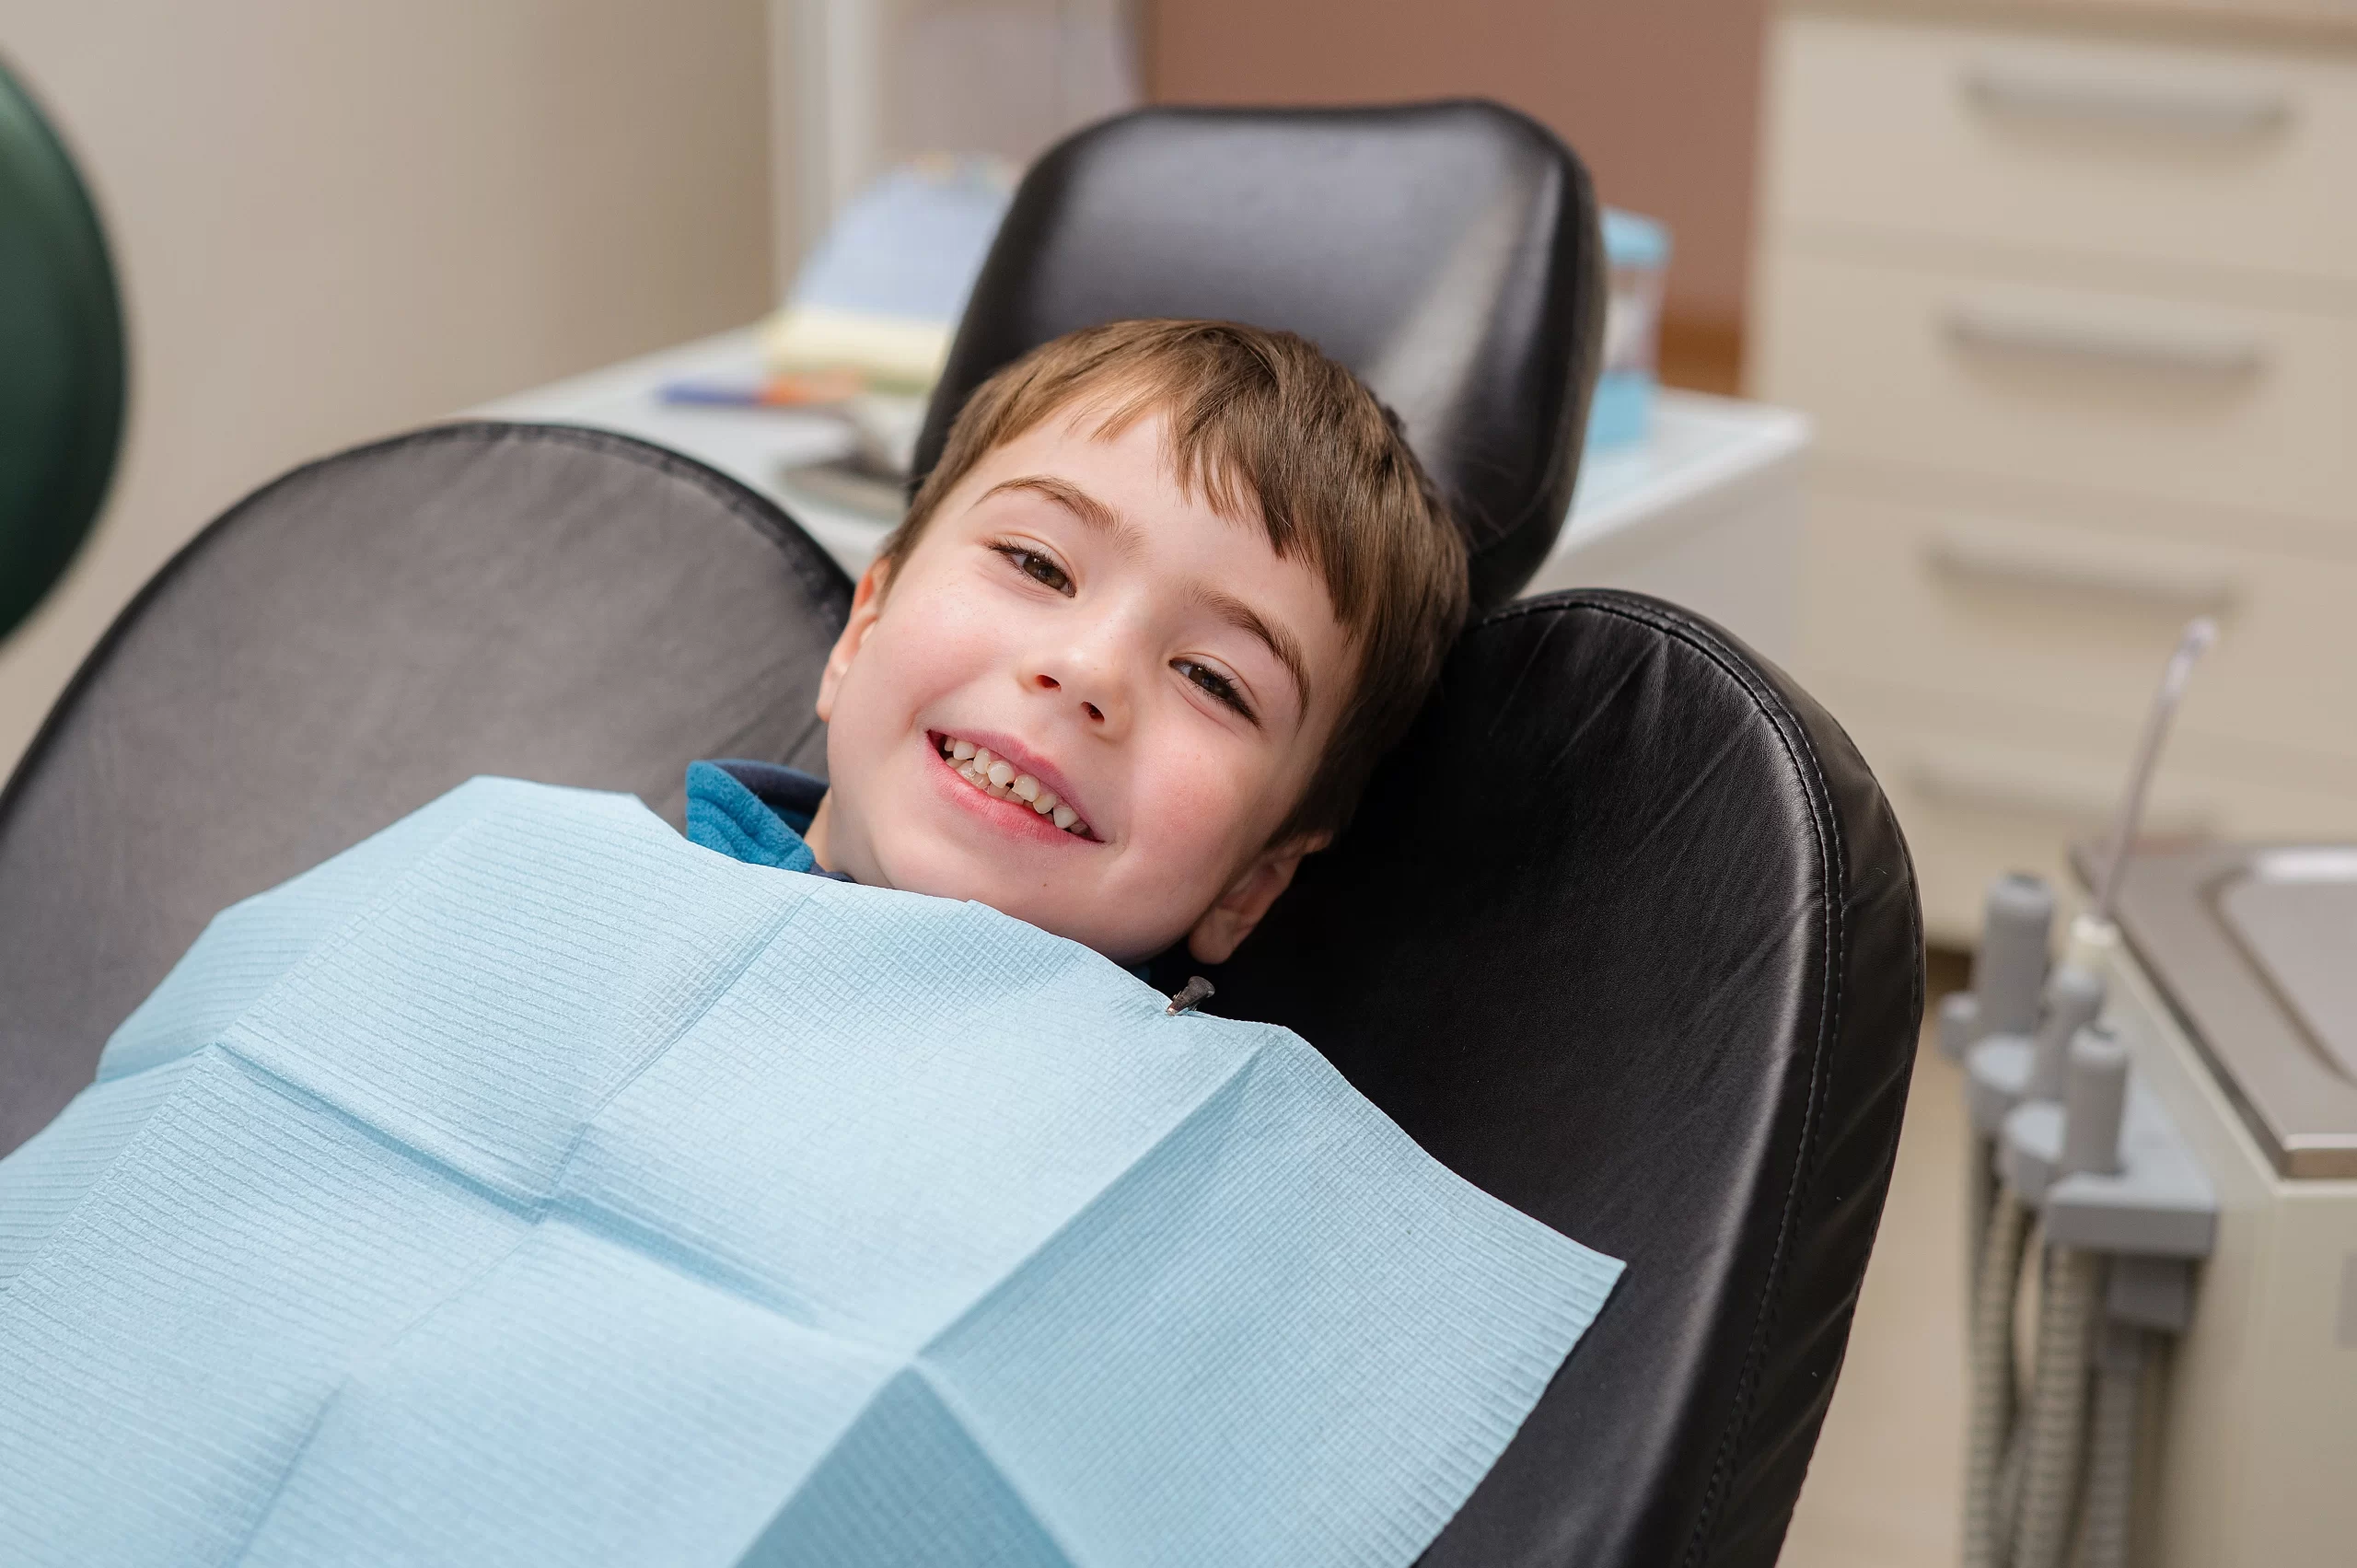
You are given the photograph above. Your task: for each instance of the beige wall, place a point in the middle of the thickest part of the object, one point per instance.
(335, 220)
(1660, 97)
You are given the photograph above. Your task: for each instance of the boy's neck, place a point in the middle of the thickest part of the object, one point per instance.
(815, 836)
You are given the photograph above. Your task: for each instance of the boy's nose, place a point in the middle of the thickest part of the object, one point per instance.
(1085, 681)
(1049, 683)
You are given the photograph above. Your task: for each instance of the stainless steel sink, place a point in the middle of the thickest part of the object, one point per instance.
(2256, 949)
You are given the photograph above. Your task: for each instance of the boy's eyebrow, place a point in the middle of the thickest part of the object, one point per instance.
(1282, 642)
(1227, 606)
(1076, 501)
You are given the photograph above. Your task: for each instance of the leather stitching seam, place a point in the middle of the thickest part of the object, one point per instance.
(1831, 865)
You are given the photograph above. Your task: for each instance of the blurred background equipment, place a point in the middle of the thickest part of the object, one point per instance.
(2230, 990)
(882, 291)
(1637, 250)
(2072, 297)
(875, 308)
(2174, 1107)
(61, 357)
(861, 87)
(2065, 1140)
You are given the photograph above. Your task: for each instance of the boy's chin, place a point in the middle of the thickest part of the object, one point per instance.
(1011, 892)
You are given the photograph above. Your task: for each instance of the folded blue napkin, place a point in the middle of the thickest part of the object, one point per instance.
(527, 1185)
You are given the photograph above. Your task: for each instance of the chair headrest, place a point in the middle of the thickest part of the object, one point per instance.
(1448, 253)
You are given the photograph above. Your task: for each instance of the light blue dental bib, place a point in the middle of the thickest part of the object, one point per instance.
(527, 1185)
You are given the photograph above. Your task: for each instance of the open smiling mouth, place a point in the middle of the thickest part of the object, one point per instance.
(997, 778)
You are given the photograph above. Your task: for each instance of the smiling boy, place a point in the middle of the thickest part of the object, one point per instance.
(546, 1131)
(1172, 591)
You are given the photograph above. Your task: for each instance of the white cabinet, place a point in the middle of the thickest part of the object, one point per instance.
(2097, 144)
(2075, 313)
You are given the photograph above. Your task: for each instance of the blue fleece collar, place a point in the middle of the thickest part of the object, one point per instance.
(726, 814)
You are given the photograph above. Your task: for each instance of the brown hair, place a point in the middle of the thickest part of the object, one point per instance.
(1258, 417)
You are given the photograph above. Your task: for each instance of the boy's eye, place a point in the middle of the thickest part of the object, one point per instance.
(1218, 685)
(1038, 568)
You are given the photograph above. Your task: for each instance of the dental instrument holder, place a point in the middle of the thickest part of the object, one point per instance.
(2062, 1129)
(2074, 1136)
(2114, 1177)
(2008, 969)
(2130, 1187)
(2106, 1172)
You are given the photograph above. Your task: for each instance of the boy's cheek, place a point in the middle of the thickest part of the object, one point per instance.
(919, 659)
(1204, 819)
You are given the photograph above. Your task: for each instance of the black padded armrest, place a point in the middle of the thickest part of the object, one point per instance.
(351, 641)
(1625, 934)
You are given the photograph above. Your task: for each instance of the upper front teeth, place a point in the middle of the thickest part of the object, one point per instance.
(996, 776)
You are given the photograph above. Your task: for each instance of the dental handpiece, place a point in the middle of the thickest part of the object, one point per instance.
(2198, 635)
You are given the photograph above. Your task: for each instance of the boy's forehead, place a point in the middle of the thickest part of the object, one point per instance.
(1123, 462)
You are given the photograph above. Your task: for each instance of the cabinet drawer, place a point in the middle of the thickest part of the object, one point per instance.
(2205, 156)
(1981, 794)
(2203, 404)
(2016, 605)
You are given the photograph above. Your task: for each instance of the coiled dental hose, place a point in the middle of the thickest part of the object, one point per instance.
(2111, 1448)
(1988, 1517)
(2022, 1482)
(2009, 1485)
(2058, 1407)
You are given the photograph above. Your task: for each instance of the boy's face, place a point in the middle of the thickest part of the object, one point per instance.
(1153, 665)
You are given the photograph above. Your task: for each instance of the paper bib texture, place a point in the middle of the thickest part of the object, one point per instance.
(527, 1185)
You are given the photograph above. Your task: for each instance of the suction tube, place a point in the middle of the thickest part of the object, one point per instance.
(2111, 1459)
(1987, 1517)
(2058, 1407)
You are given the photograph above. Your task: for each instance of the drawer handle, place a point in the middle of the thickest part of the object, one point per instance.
(1967, 559)
(2191, 350)
(2196, 113)
(2020, 788)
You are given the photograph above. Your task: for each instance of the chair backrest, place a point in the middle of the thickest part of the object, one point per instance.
(1626, 935)
(1447, 252)
(352, 641)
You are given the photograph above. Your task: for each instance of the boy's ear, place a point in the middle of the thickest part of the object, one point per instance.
(1227, 922)
(867, 604)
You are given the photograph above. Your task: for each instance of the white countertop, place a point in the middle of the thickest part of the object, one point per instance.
(1698, 445)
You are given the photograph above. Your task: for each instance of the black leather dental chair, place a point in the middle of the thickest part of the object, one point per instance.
(1624, 932)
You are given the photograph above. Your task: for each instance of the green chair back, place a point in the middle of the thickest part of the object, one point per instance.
(62, 359)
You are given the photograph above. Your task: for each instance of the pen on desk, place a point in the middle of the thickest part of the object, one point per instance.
(808, 391)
